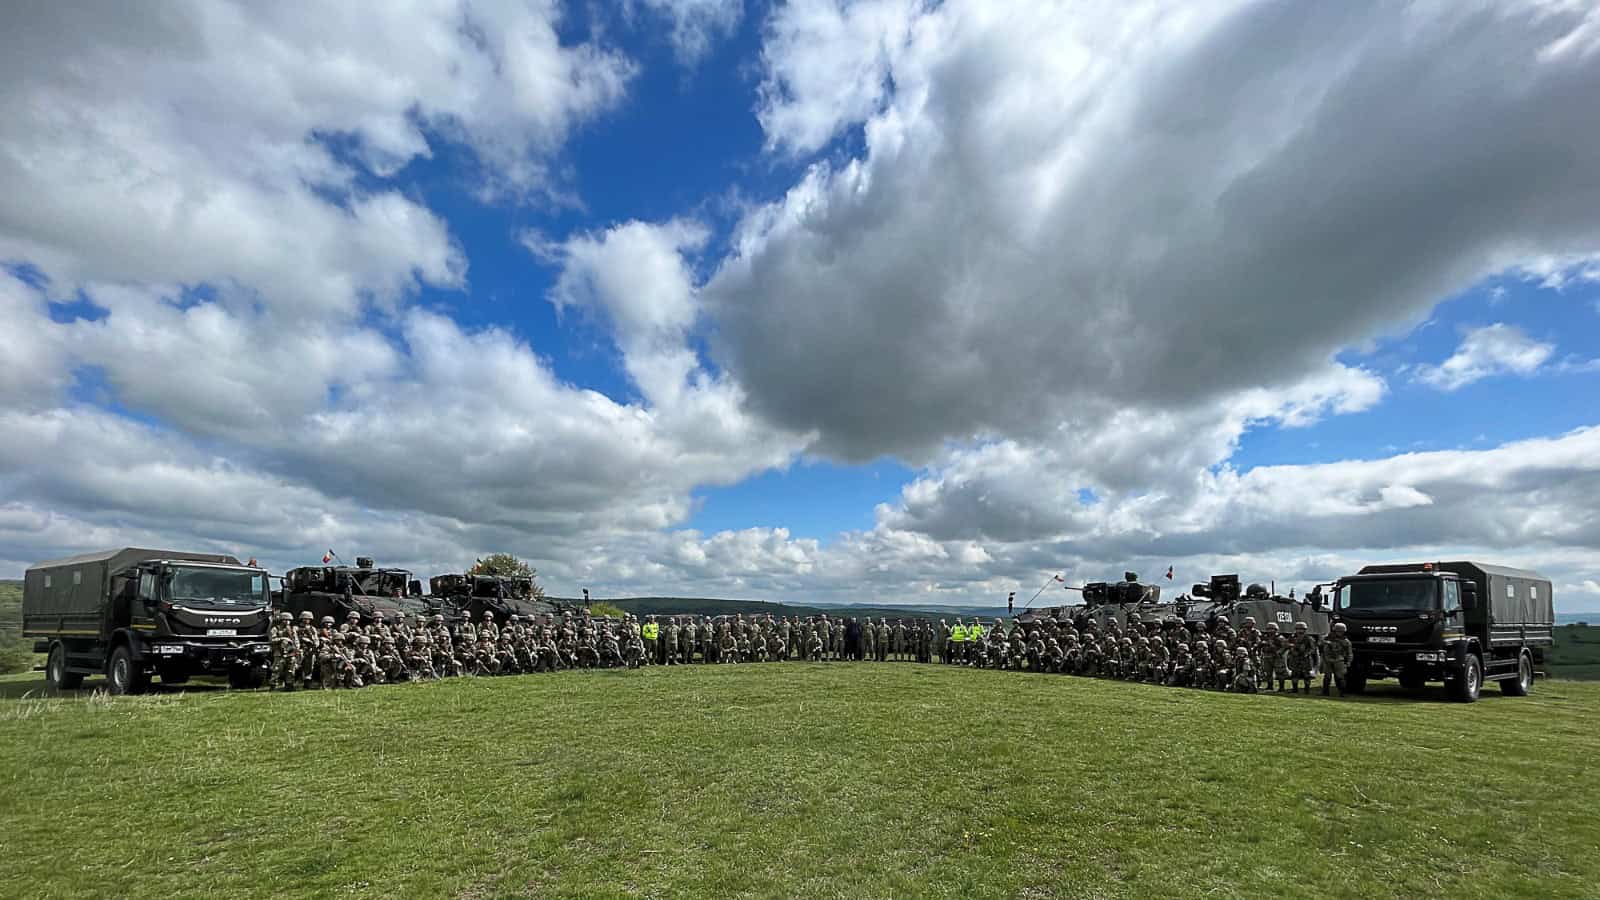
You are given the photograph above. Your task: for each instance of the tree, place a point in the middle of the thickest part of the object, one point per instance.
(508, 565)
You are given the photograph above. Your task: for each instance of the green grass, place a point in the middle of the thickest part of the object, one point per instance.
(824, 780)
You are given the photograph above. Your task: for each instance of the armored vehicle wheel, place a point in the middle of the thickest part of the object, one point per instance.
(1469, 682)
(1523, 683)
(123, 675)
(55, 670)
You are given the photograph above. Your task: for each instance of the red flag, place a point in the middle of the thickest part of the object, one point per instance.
(1169, 573)
(327, 557)
(1058, 578)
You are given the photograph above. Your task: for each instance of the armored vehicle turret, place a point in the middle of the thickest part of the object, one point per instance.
(473, 595)
(362, 588)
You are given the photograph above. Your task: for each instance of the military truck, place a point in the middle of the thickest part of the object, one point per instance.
(1462, 623)
(133, 613)
(460, 596)
(1222, 598)
(363, 588)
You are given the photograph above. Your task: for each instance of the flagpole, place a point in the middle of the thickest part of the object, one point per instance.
(1038, 592)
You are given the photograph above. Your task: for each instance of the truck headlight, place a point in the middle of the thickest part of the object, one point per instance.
(1430, 657)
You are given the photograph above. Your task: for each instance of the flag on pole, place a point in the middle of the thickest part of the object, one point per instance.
(1058, 578)
(328, 557)
(1169, 573)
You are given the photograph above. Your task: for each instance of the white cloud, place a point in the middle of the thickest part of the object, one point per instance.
(1147, 205)
(697, 24)
(1497, 349)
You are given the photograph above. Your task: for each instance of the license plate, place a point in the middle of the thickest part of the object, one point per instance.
(1380, 640)
(170, 649)
(234, 632)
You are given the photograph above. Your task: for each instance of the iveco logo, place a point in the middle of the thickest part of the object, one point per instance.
(1383, 629)
(216, 620)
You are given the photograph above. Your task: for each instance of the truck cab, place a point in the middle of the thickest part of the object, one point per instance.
(1461, 623)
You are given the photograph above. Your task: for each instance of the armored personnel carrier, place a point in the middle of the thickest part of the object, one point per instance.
(340, 590)
(1105, 602)
(460, 596)
(1221, 598)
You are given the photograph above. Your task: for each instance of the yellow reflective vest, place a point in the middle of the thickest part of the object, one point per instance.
(975, 633)
(651, 631)
(959, 634)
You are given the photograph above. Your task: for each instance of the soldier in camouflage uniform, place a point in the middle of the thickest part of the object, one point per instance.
(307, 637)
(1244, 671)
(285, 653)
(419, 660)
(1337, 654)
(1302, 658)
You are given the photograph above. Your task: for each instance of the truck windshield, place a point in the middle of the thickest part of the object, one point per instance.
(1400, 594)
(206, 585)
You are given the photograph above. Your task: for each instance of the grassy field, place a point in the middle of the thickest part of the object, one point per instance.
(819, 780)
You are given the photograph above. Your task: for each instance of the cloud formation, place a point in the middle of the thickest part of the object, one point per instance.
(1151, 205)
(1497, 349)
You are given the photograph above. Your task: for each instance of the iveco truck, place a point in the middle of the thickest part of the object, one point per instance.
(131, 614)
(1462, 623)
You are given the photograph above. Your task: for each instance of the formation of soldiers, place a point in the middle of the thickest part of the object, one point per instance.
(1248, 659)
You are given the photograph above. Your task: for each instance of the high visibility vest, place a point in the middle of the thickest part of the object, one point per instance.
(975, 633)
(958, 634)
(651, 631)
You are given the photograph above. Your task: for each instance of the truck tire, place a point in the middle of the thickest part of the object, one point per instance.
(55, 670)
(1355, 680)
(123, 675)
(1467, 685)
(1523, 683)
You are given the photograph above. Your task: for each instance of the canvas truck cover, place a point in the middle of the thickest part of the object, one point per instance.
(67, 596)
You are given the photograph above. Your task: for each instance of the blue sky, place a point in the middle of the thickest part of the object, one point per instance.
(876, 300)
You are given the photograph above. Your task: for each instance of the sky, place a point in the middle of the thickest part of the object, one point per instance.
(889, 302)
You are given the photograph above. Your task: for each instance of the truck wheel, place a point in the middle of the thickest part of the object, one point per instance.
(1469, 682)
(242, 678)
(1523, 683)
(123, 675)
(1355, 681)
(55, 670)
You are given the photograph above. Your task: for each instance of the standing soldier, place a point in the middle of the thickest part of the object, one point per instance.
(1338, 653)
(650, 633)
(285, 653)
(1302, 658)
(669, 643)
(305, 634)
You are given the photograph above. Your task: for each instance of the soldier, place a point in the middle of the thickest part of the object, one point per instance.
(1338, 653)
(285, 653)
(391, 663)
(305, 634)
(489, 630)
(869, 640)
(505, 656)
(366, 662)
(633, 653)
(418, 659)
(610, 650)
(1244, 671)
(1302, 658)
(669, 644)
(650, 634)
